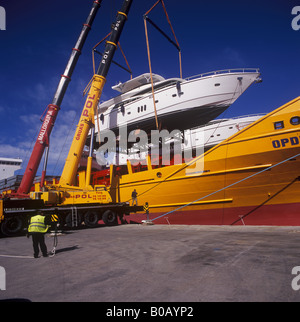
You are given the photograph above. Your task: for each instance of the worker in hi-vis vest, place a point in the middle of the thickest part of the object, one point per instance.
(38, 226)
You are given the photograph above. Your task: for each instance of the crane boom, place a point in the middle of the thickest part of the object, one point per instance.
(42, 141)
(86, 121)
(72, 205)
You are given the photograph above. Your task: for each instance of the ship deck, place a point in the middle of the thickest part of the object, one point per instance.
(159, 263)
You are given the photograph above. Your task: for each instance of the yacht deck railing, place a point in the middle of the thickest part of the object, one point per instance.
(225, 71)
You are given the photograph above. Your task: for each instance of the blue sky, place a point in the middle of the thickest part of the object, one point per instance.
(213, 35)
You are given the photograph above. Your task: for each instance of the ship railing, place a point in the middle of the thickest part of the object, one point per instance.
(225, 71)
(220, 121)
(247, 115)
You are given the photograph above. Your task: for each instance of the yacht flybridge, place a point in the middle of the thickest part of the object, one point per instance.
(180, 103)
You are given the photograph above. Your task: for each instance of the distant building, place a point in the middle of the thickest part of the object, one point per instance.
(8, 167)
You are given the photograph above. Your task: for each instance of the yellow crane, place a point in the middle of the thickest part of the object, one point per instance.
(82, 203)
(65, 192)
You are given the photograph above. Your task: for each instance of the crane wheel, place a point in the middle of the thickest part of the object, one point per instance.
(12, 226)
(110, 218)
(91, 219)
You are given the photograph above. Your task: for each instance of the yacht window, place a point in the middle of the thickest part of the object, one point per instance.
(138, 109)
(142, 108)
(278, 125)
(158, 86)
(217, 84)
(145, 107)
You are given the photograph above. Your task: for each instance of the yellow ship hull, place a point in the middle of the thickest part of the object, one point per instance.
(250, 178)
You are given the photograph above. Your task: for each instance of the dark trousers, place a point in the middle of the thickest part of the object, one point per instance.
(38, 240)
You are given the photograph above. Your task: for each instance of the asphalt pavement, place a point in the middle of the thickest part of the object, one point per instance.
(159, 263)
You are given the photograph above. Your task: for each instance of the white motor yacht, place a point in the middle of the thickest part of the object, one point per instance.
(180, 103)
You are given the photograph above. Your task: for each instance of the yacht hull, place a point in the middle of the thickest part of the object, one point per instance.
(182, 105)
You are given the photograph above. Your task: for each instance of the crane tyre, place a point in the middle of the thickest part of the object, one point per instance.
(91, 219)
(110, 218)
(12, 226)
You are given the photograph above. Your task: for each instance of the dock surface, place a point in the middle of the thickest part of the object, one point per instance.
(159, 263)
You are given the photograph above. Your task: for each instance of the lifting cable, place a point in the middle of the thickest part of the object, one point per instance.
(231, 185)
(151, 77)
(55, 241)
(176, 44)
(94, 50)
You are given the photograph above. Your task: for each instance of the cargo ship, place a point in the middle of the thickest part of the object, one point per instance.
(250, 178)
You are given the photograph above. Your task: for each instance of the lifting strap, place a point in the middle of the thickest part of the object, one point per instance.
(176, 44)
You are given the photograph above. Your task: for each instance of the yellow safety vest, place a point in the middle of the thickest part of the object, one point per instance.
(37, 225)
